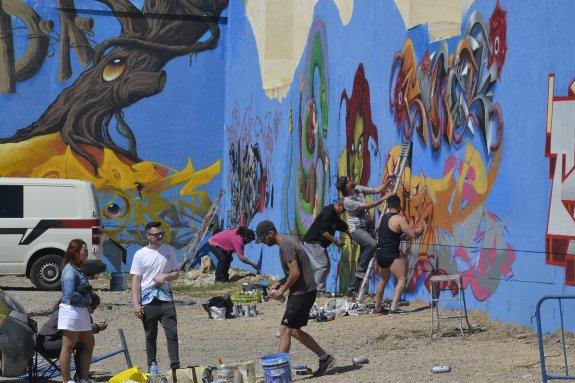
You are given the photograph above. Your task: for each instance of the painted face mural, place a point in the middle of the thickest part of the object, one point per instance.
(560, 149)
(72, 138)
(355, 160)
(311, 173)
(448, 99)
(248, 174)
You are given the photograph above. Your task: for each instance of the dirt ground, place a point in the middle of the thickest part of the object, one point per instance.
(397, 346)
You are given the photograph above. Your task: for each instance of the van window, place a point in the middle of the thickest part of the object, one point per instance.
(50, 201)
(11, 201)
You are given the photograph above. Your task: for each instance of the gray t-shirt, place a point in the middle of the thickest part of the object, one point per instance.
(358, 218)
(289, 251)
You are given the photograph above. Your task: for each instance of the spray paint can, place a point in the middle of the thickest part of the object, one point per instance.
(441, 369)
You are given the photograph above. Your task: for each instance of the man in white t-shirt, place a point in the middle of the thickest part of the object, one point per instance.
(154, 267)
(360, 222)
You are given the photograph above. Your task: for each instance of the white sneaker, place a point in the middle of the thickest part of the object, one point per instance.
(69, 381)
(86, 381)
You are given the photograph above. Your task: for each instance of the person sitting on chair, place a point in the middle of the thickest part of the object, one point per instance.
(49, 341)
(226, 242)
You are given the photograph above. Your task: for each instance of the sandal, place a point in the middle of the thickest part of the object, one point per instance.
(397, 310)
(382, 310)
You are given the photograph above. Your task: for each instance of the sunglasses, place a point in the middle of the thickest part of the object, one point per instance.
(160, 234)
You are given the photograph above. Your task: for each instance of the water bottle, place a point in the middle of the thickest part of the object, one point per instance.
(154, 376)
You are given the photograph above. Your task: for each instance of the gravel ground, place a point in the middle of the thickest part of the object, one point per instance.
(397, 346)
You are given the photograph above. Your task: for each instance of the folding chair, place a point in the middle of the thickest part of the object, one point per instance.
(44, 366)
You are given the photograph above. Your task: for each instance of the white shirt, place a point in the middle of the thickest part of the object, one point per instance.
(151, 263)
(357, 218)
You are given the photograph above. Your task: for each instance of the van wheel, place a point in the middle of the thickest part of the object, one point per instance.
(46, 272)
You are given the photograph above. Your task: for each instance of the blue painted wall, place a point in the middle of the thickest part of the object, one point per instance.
(181, 123)
(507, 281)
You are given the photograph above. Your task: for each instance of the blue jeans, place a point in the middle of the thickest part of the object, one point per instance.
(367, 245)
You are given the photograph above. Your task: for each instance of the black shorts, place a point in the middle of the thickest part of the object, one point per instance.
(385, 259)
(297, 309)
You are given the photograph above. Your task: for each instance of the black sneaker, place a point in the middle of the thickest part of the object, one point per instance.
(324, 365)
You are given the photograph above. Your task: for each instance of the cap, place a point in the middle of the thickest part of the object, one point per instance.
(263, 228)
(341, 183)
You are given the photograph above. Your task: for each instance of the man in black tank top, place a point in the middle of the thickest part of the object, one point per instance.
(391, 228)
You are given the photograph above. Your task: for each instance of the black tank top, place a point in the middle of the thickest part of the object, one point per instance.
(387, 239)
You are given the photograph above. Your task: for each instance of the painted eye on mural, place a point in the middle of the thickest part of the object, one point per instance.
(115, 207)
(114, 69)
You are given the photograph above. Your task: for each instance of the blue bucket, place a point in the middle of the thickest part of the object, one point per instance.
(118, 281)
(276, 368)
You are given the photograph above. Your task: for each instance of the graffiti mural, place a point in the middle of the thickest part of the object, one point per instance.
(450, 98)
(560, 149)
(355, 160)
(73, 136)
(248, 173)
(308, 172)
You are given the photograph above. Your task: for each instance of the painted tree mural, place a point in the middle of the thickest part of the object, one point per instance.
(130, 71)
(73, 137)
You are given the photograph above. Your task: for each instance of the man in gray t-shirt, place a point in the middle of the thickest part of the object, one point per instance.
(292, 251)
(360, 222)
(301, 284)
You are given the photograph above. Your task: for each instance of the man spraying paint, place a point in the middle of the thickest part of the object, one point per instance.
(360, 221)
(299, 280)
(319, 237)
(393, 225)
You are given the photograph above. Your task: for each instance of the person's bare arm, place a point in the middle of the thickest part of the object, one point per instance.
(136, 285)
(168, 277)
(408, 230)
(246, 260)
(332, 239)
(293, 276)
(384, 186)
(369, 205)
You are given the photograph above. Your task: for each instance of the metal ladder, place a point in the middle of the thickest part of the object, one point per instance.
(200, 233)
(396, 180)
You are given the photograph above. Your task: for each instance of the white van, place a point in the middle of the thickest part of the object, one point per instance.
(38, 218)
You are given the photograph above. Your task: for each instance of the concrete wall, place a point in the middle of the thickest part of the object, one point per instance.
(144, 126)
(492, 147)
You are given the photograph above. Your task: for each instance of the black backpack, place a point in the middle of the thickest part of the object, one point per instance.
(219, 301)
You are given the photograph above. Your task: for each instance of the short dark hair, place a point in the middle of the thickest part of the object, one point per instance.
(393, 202)
(263, 228)
(340, 202)
(341, 184)
(149, 225)
(246, 234)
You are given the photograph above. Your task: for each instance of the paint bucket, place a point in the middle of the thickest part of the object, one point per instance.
(248, 371)
(118, 281)
(276, 368)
